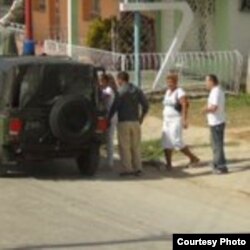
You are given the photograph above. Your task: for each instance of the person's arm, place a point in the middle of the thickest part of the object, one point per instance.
(144, 104)
(213, 103)
(114, 108)
(184, 111)
(107, 94)
(211, 109)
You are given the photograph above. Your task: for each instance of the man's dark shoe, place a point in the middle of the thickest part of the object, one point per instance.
(224, 170)
(138, 173)
(220, 171)
(126, 174)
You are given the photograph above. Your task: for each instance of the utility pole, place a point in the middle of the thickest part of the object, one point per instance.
(137, 47)
(73, 9)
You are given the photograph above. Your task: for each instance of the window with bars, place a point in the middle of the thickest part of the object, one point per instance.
(201, 35)
(245, 5)
(96, 8)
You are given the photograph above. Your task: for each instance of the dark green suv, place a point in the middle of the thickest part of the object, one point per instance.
(50, 107)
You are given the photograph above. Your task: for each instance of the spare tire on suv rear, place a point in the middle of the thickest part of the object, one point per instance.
(72, 120)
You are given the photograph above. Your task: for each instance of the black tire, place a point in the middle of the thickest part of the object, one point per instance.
(72, 119)
(3, 170)
(3, 166)
(88, 162)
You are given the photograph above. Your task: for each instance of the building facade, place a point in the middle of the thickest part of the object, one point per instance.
(218, 25)
(50, 17)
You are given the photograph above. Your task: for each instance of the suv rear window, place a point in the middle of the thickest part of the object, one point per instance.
(43, 84)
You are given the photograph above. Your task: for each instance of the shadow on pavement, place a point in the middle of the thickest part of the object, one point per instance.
(208, 145)
(60, 170)
(96, 244)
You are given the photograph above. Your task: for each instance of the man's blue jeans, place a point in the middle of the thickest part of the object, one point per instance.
(217, 142)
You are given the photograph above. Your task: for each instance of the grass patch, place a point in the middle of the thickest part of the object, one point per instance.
(244, 135)
(152, 150)
(237, 108)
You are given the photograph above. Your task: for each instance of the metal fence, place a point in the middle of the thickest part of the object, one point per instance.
(17, 27)
(19, 30)
(192, 66)
(111, 61)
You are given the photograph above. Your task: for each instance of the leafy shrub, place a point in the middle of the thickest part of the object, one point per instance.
(99, 34)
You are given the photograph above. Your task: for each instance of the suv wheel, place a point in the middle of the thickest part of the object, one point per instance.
(3, 170)
(3, 165)
(72, 120)
(88, 161)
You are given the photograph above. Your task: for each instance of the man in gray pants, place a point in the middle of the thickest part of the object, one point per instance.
(215, 111)
(131, 106)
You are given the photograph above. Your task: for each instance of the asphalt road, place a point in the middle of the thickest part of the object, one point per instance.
(52, 207)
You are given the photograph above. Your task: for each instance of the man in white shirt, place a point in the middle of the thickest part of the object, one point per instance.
(216, 117)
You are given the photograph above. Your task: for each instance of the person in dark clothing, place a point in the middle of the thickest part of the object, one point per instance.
(131, 106)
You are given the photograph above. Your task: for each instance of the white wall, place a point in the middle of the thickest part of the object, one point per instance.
(168, 30)
(239, 28)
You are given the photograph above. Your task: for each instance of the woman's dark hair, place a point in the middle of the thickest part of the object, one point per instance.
(124, 76)
(213, 78)
(110, 81)
(104, 77)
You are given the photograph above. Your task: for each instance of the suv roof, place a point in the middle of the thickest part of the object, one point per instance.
(7, 62)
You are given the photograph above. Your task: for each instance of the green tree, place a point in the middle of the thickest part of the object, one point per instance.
(99, 34)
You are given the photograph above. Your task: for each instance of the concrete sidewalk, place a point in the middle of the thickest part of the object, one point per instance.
(237, 151)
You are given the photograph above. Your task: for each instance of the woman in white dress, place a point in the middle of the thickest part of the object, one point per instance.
(109, 91)
(175, 118)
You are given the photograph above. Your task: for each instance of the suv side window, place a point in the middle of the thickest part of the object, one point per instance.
(42, 84)
(26, 80)
(78, 79)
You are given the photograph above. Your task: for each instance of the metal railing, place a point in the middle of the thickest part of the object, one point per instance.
(192, 66)
(111, 61)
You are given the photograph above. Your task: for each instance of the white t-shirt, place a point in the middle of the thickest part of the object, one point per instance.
(169, 102)
(109, 96)
(216, 98)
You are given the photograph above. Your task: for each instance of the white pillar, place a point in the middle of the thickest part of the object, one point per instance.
(180, 35)
(248, 75)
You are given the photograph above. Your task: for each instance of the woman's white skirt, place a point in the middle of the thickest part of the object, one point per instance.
(172, 134)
